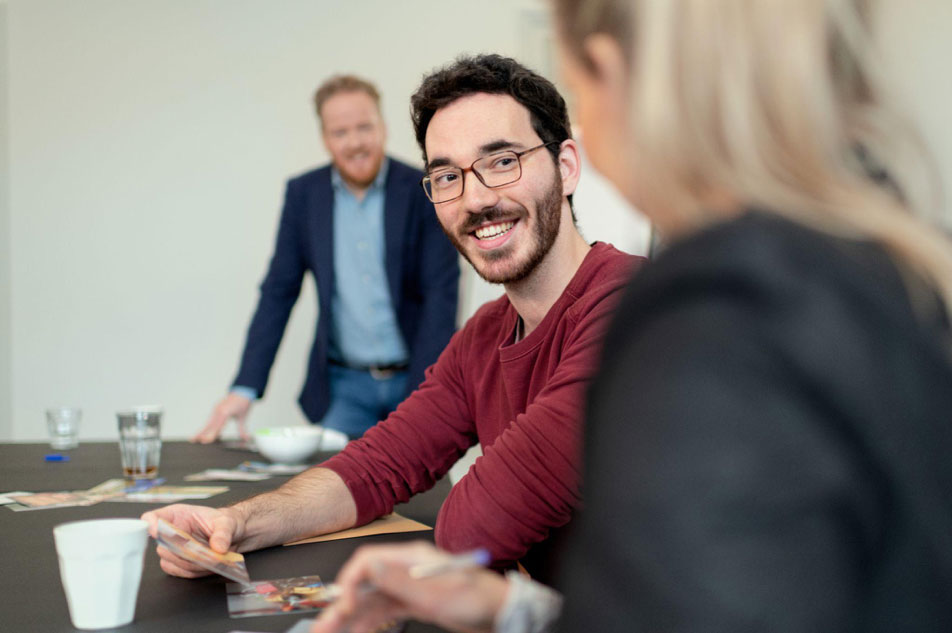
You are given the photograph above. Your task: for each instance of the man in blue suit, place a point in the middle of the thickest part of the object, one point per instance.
(387, 277)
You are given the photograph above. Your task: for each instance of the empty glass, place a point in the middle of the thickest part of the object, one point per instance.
(63, 425)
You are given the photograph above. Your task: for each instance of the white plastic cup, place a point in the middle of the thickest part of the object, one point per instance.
(100, 564)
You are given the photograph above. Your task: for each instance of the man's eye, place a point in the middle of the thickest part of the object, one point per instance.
(504, 163)
(444, 179)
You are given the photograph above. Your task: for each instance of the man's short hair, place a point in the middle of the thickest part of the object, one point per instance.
(492, 74)
(343, 83)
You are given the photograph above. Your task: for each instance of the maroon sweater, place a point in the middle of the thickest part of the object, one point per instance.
(521, 401)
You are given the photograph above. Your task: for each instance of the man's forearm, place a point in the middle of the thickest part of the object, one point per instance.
(315, 502)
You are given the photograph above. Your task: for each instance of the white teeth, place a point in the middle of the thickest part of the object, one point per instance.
(486, 232)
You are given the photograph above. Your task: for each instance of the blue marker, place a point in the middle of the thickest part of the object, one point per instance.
(56, 457)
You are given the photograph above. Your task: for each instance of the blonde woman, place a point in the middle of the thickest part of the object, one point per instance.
(768, 444)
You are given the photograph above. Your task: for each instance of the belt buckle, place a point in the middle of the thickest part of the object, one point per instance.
(381, 374)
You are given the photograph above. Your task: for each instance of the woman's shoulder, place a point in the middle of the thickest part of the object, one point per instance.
(766, 264)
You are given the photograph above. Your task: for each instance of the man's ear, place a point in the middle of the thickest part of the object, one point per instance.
(570, 166)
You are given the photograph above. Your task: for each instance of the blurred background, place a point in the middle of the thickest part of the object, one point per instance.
(144, 146)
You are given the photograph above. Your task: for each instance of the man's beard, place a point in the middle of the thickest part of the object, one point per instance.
(548, 221)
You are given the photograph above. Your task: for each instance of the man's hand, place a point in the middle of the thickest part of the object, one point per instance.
(377, 588)
(231, 406)
(222, 528)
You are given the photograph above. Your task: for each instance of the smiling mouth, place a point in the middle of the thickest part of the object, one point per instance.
(491, 231)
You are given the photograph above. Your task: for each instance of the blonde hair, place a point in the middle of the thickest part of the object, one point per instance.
(778, 103)
(343, 83)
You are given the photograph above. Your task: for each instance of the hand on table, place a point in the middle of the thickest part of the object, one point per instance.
(231, 406)
(464, 600)
(221, 528)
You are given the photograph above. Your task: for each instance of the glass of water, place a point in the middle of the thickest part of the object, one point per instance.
(140, 444)
(63, 425)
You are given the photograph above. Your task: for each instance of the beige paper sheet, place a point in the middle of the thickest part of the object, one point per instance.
(388, 524)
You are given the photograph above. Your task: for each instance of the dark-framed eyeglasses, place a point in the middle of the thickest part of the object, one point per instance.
(445, 184)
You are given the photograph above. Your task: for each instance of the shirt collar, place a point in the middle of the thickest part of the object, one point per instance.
(337, 181)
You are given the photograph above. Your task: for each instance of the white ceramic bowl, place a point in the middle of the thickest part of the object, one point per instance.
(288, 444)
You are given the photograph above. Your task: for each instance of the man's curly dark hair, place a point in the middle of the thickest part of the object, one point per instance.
(492, 74)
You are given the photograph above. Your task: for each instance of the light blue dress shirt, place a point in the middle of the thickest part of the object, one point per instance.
(364, 328)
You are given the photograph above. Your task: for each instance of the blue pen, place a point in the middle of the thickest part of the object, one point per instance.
(56, 457)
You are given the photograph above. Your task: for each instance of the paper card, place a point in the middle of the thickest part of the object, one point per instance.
(274, 597)
(222, 474)
(46, 500)
(170, 494)
(273, 469)
(387, 524)
(108, 488)
(5, 497)
(231, 565)
(114, 488)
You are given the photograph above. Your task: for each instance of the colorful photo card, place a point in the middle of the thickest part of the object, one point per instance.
(46, 500)
(272, 469)
(274, 597)
(170, 494)
(231, 565)
(224, 474)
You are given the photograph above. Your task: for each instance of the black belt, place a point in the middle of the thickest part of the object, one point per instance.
(379, 372)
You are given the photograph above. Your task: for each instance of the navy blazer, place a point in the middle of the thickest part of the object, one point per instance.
(422, 273)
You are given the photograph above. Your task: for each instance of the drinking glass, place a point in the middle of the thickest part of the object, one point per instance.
(140, 443)
(63, 425)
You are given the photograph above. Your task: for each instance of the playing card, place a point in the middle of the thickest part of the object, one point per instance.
(231, 565)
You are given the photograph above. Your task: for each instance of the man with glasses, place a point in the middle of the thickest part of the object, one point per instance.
(501, 167)
(386, 278)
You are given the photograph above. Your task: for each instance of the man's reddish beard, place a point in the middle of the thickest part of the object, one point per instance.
(356, 179)
(548, 221)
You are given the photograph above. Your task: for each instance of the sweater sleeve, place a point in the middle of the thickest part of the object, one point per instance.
(527, 482)
(415, 446)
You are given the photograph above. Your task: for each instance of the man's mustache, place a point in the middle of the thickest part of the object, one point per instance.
(487, 215)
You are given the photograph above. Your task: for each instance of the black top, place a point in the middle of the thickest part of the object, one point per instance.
(768, 445)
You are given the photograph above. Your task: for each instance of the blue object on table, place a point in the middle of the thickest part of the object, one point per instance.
(56, 457)
(141, 485)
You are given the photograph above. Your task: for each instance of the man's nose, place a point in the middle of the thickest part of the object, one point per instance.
(476, 195)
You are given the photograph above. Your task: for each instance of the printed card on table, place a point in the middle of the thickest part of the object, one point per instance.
(274, 597)
(223, 474)
(170, 494)
(46, 500)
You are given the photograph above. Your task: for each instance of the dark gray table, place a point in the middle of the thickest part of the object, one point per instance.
(31, 595)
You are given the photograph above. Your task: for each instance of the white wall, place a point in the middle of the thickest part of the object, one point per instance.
(143, 150)
(149, 144)
(6, 337)
(917, 45)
